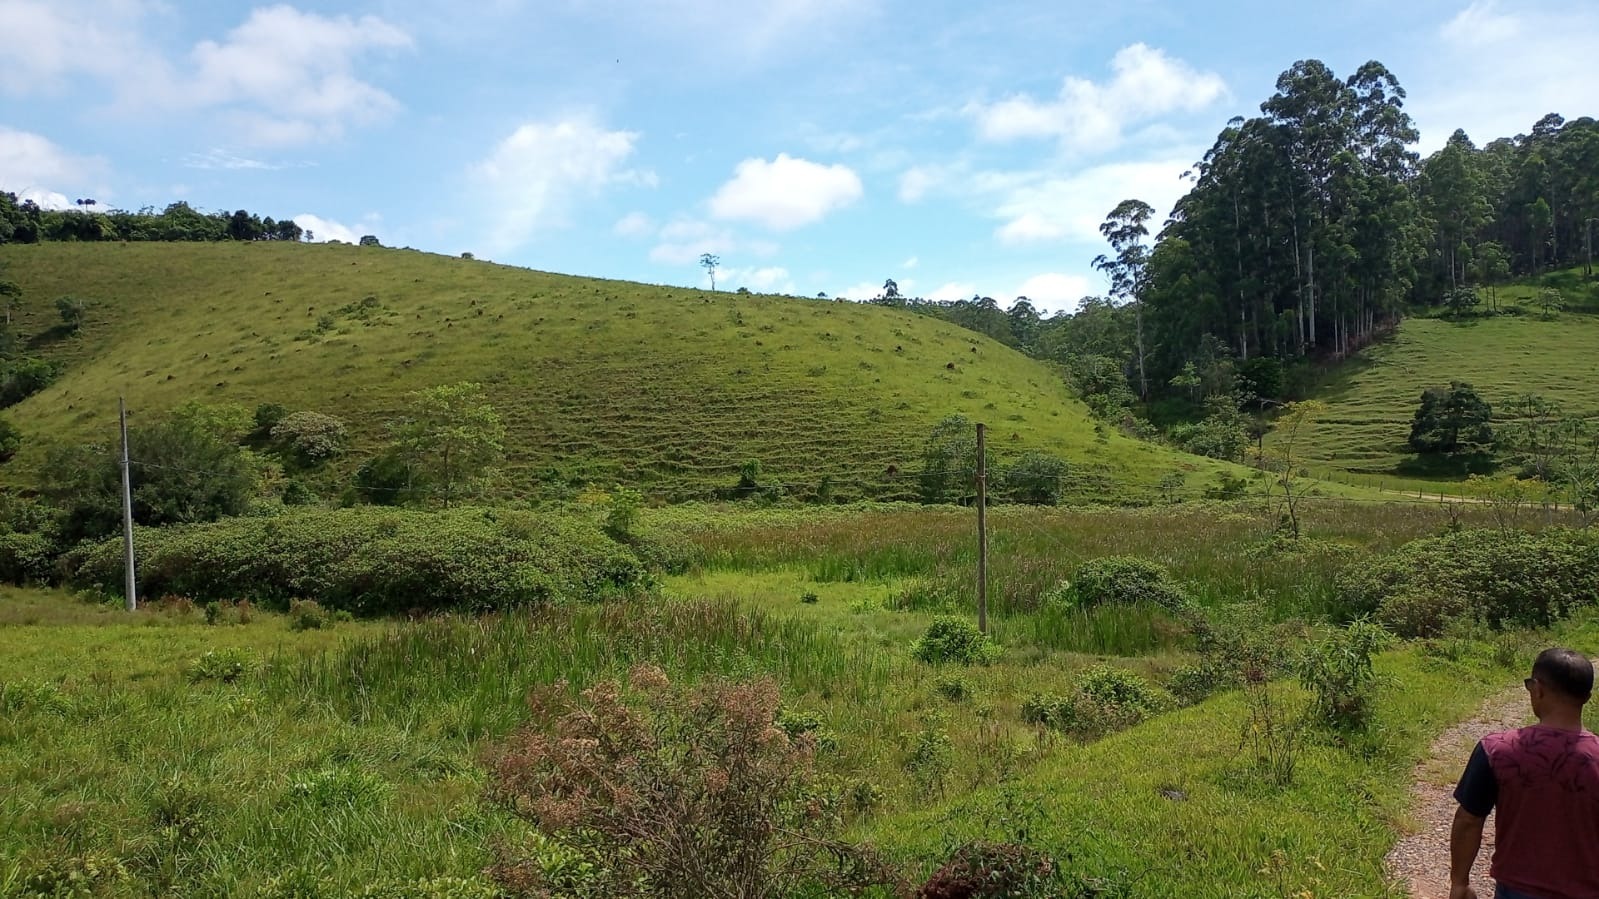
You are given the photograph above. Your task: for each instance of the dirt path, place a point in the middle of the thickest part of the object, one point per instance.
(1420, 861)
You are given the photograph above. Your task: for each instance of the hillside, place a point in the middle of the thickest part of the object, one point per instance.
(598, 381)
(1373, 397)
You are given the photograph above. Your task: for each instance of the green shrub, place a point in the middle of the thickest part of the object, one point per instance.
(1123, 580)
(809, 725)
(1192, 684)
(1077, 714)
(374, 560)
(953, 687)
(36, 696)
(225, 665)
(621, 513)
(1507, 579)
(952, 639)
(26, 558)
(308, 615)
(224, 611)
(810, 598)
(1118, 687)
(1105, 700)
(10, 439)
(310, 438)
(1337, 671)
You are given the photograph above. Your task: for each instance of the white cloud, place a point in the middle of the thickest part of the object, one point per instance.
(36, 169)
(1146, 84)
(918, 181)
(684, 241)
(281, 77)
(1039, 206)
(770, 279)
(48, 40)
(954, 290)
(785, 193)
(863, 291)
(634, 224)
(1053, 290)
(1481, 24)
(531, 179)
(45, 199)
(324, 230)
(761, 31)
(910, 263)
(286, 76)
(1031, 227)
(1542, 63)
(222, 160)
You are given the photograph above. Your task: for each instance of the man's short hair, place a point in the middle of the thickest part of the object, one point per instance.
(1565, 671)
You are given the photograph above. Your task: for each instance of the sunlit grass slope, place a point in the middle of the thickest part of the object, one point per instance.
(598, 381)
(1373, 398)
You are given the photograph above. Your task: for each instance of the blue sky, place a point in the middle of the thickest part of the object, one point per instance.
(815, 145)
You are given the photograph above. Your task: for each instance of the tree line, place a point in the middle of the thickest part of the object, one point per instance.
(24, 221)
(1308, 231)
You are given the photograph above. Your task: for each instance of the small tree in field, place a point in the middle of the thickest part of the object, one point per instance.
(1285, 455)
(1452, 420)
(1551, 301)
(1461, 300)
(710, 262)
(72, 310)
(453, 436)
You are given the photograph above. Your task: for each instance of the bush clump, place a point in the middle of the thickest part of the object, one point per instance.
(374, 560)
(993, 871)
(956, 640)
(26, 558)
(225, 665)
(309, 615)
(1505, 579)
(1123, 580)
(1193, 684)
(651, 790)
(1105, 700)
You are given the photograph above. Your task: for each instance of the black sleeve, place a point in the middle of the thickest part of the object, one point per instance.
(1477, 791)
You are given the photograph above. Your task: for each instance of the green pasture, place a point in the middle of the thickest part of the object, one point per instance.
(669, 389)
(1372, 398)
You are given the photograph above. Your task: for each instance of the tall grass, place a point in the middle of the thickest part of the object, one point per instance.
(1116, 630)
(1223, 555)
(470, 675)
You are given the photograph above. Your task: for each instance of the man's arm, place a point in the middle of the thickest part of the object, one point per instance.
(1465, 838)
(1477, 793)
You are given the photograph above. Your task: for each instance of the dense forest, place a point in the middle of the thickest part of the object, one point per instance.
(1309, 229)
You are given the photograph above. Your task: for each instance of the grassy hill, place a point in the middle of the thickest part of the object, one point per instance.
(1373, 397)
(598, 381)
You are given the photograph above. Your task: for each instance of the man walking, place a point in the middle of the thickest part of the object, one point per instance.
(1544, 781)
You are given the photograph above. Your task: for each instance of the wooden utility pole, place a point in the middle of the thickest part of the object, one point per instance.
(982, 528)
(130, 586)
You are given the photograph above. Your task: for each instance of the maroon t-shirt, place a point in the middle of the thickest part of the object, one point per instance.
(1545, 783)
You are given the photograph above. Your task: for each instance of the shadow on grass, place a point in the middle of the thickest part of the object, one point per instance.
(51, 335)
(1446, 467)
